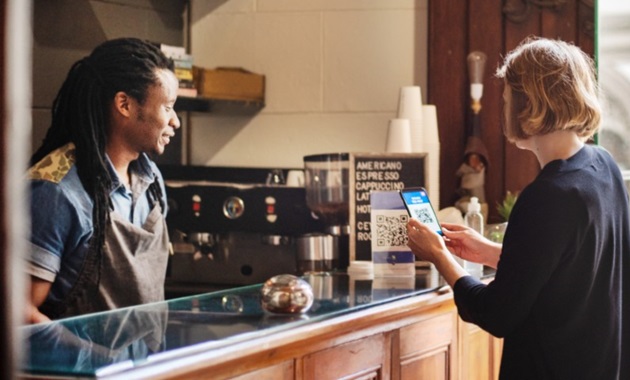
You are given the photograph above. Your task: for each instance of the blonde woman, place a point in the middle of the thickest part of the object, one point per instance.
(561, 294)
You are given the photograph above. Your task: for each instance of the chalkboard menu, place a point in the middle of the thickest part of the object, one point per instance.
(378, 172)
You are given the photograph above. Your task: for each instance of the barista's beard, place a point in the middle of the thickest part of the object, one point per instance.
(151, 150)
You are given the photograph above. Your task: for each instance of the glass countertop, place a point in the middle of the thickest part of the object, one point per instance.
(107, 343)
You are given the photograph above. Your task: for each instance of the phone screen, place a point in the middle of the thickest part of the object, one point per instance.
(419, 207)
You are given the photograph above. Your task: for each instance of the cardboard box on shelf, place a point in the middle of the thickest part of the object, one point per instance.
(230, 83)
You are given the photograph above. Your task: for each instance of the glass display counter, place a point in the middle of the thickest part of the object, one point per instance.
(103, 344)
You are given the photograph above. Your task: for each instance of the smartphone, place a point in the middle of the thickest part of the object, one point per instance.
(416, 200)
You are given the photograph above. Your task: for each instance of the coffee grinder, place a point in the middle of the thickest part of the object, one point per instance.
(326, 180)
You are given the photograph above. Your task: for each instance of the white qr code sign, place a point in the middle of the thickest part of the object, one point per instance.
(391, 230)
(390, 254)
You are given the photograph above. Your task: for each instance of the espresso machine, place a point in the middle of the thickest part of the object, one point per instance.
(235, 233)
(326, 179)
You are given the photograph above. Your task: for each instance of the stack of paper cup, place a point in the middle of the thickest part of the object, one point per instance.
(431, 143)
(410, 107)
(423, 133)
(398, 136)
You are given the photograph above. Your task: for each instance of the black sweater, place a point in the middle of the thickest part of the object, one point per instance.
(561, 295)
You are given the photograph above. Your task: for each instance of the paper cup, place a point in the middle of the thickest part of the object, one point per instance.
(410, 103)
(431, 142)
(416, 129)
(431, 134)
(398, 136)
(410, 107)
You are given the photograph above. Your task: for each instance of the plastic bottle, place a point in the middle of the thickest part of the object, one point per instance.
(474, 220)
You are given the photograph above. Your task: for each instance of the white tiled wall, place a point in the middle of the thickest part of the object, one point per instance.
(334, 69)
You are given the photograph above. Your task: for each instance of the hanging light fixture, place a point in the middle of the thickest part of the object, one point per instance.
(476, 66)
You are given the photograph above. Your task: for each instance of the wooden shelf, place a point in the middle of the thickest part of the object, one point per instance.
(219, 106)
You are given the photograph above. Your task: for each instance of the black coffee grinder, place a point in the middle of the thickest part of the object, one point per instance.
(326, 180)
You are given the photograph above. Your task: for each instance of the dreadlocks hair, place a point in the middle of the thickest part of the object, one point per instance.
(80, 114)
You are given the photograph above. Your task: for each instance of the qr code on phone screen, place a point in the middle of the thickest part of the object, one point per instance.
(391, 230)
(424, 216)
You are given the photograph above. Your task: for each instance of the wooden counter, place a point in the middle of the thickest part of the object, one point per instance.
(417, 338)
(413, 337)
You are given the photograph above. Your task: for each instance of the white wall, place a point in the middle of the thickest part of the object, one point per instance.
(333, 71)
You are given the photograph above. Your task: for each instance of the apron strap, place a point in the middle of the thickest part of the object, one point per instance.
(155, 195)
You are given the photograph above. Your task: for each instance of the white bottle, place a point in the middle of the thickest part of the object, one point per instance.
(474, 220)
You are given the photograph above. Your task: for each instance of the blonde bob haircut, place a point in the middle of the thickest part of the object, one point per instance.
(554, 88)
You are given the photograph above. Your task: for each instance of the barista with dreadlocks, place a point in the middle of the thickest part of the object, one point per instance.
(99, 239)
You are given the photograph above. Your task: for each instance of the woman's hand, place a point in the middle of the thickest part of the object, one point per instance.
(427, 245)
(469, 245)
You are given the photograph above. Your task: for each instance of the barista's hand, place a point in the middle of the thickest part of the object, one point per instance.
(39, 291)
(33, 315)
(468, 244)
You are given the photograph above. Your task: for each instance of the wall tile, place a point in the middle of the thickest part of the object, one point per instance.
(334, 71)
(163, 27)
(121, 21)
(288, 52)
(225, 40)
(153, 5)
(368, 56)
(282, 140)
(66, 24)
(327, 5)
(202, 8)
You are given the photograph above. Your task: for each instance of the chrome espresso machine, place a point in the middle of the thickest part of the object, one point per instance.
(242, 227)
(246, 225)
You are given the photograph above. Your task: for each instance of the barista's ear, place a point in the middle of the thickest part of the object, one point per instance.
(122, 103)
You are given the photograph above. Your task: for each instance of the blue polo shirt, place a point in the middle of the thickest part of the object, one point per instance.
(61, 214)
